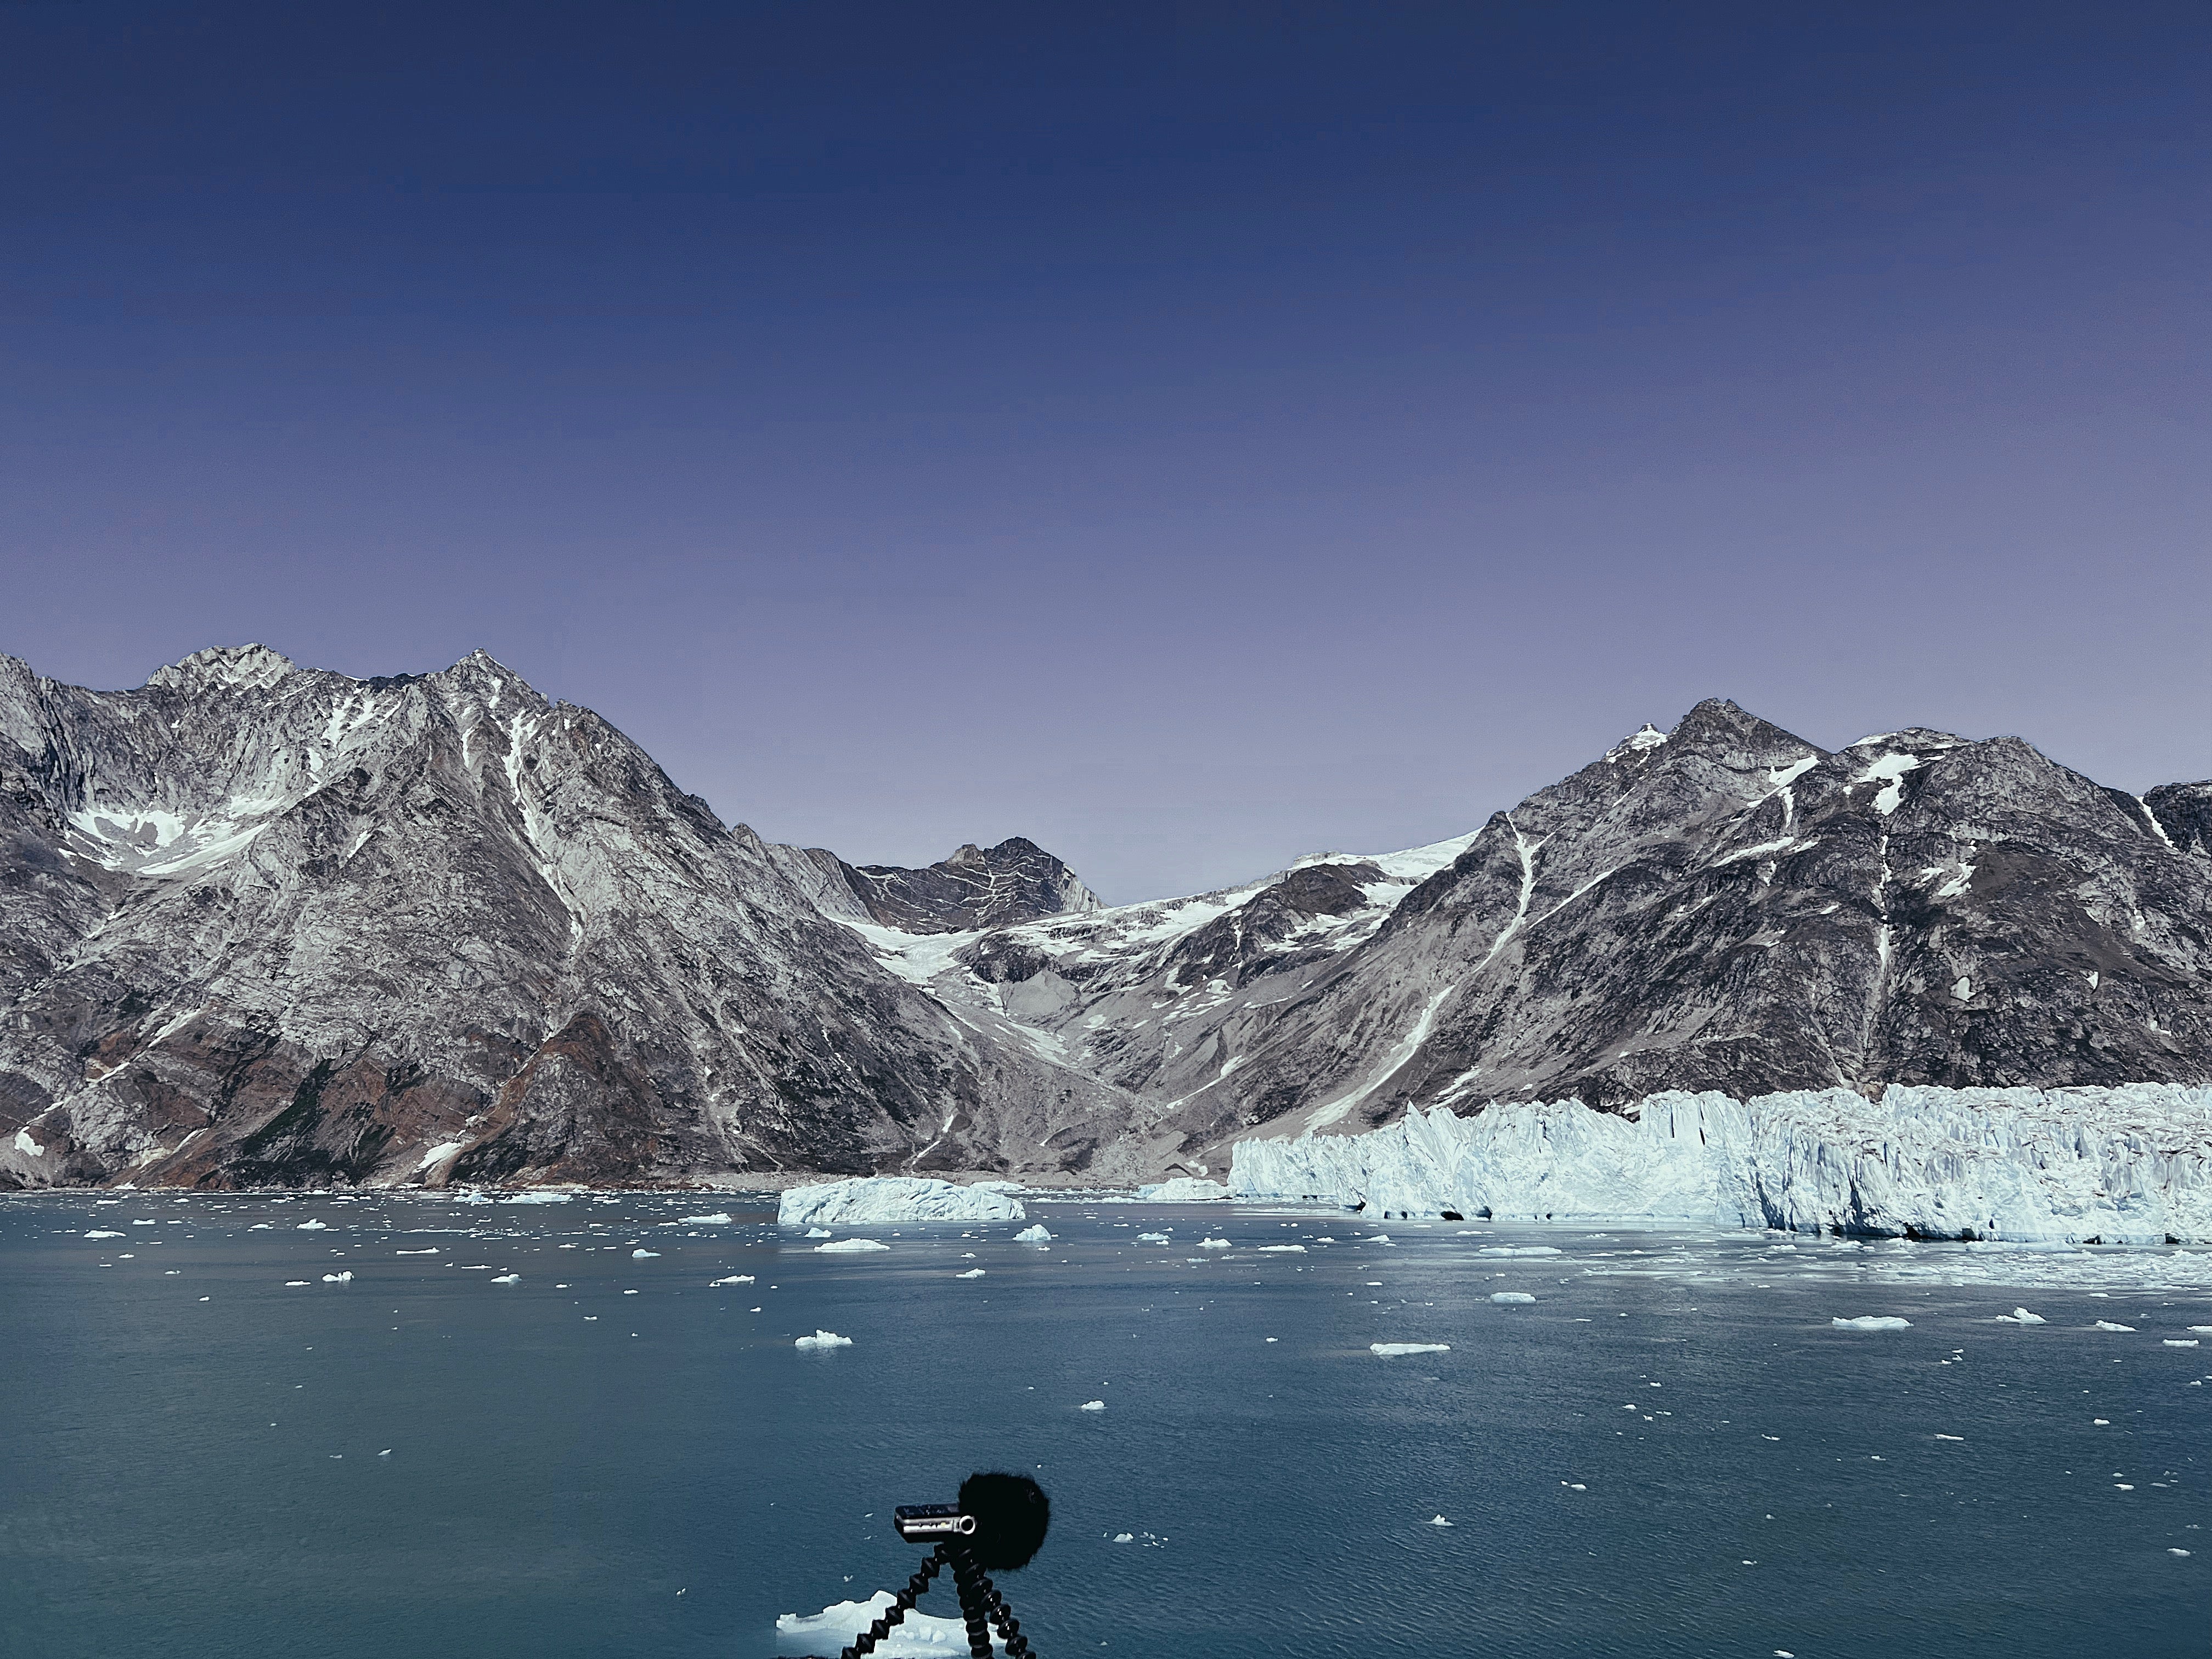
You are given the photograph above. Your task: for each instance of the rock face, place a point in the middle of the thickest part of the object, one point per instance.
(264, 925)
(260, 925)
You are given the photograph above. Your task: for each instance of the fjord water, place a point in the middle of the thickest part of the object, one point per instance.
(1671, 1451)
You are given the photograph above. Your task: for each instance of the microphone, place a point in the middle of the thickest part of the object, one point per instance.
(1000, 1518)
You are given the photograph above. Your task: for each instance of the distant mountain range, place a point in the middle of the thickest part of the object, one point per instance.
(262, 924)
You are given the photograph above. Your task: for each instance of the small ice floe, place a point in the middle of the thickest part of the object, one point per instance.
(2021, 1316)
(1153, 1238)
(734, 1279)
(973, 1273)
(345, 1277)
(1398, 1350)
(2100, 1422)
(1438, 1520)
(1125, 1538)
(261, 1227)
(508, 1279)
(297, 1283)
(1281, 1250)
(1511, 1296)
(643, 1255)
(312, 1227)
(386, 1452)
(850, 1246)
(1033, 1235)
(821, 1339)
(99, 1234)
(817, 1232)
(1961, 1437)
(1378, 1238)
(1521, 1249)
(2180, 1342)
(2107, 1325)
(1092, 1406)
(2201, 1330)
(719, 1218)
(537, 1198)
(2183, 1553)
(1872, 1322)
(918, 1636)
(1213, 1243)
(433, 1250)
(629, 1292)
(145, 1224)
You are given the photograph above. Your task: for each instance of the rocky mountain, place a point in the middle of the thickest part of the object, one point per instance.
(266, 925)
(1722, 906)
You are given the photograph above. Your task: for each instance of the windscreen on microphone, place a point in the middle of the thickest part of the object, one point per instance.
(1012, 1513)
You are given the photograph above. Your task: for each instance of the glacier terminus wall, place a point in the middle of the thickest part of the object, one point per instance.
(2130, 1164)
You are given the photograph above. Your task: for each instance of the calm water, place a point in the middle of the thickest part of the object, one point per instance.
(1670, 1452)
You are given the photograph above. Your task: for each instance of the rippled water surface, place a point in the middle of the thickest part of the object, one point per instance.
(209, 1448)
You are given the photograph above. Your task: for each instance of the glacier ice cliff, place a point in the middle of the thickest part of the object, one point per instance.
(2129, 1164)
(868, 1199)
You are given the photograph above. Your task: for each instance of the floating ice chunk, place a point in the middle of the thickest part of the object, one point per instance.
(2181, 1552)
(433, 1250)
(2201, 1330)
(1511, 1296)
(1951, 1436)
(507, 1279)
(537, 1198)
(1520, 1250)
(297, 1283)
(973, 1273)
(918, 1636)
(257, 1227)
(719, 1218)
(1872, 1322)
(1125, 1538)
(1378, 1238)
(1213, 1243)
(2180, 1342)
(643, 1255)
(1036, 1235)
(145, 1224)
(386, 1452)
(1153, 1238)
(849, 1247)
(1438, 1520)
(98, 1234)
(868, 1200)
(1092, 1406)
(2021, 1316)
(734, 1279)
(312, 1227)
(1395, 1349)
(345, 1277)
(2100, 1422)
(1183, 1189)
(822, 1339)
(817, 1232)
(2107, 1325)
(1281, 1250)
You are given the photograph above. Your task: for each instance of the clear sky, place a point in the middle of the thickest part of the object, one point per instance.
(1188, 435)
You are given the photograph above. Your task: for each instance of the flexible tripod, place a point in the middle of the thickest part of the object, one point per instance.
(980, 1605)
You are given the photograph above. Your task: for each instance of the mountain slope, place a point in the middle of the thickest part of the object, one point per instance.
(266, 925)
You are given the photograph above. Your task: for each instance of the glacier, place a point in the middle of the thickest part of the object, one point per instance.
(2130, 1164)
(866, 1200)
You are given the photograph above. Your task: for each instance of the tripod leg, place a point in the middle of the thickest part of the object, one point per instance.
(865, 1642)
(969, 1579)
(1010, 1628)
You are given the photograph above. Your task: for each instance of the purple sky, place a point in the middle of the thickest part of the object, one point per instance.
(1188, 436)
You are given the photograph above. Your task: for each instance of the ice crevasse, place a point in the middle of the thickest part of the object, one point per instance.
(2126, 1165)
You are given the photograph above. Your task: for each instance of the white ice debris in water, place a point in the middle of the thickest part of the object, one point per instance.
(2021, 1316)
(734, 1279)
(973, 1273)
(643, 1255)
(1395, 1349)
(868, 1200)
(297, 1283)
(1438, 1520)
(508, 1279)
(345, 1277)
(2011, 1164)
(2183, 1553)
(1873, 1323)
(918, 1636)
(2201, 1330)
(1183, 1189)
(98, 1234)
(849, 1247)
(719, 1218)
(817, 1232)
(2107, 1325)
(822, 1339)
(1213, 1243)
(1036, 1235)
(433, 1250)
(538, 1198)
(1092, 1406)
(312, 1227)
(2180, 1342)
(1511, 1296)
(1125, 1538)
(1153, 1238)
(1281, 1250)
(1520, 1250)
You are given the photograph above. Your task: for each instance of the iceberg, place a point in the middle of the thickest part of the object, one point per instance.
(1395, 1349)
(918, 1636)
(719, 1218)
(821, 1339)
(1183, 1189)
(2127, 1165)
(865, 1200)
(2021, 1316)
(1036, 1235)
(1511, 1296)
(849, 1247)
(1873, 1323)
(734, 1279)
